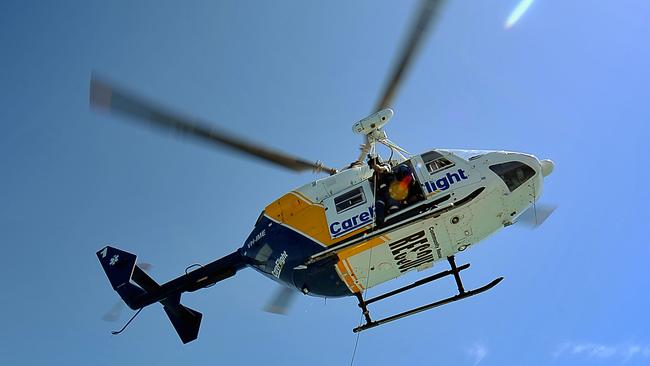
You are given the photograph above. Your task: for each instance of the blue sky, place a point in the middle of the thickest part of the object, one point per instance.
(568, 82)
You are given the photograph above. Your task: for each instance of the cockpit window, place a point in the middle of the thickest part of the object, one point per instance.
(349, 200)
(513, 173)
(435, 162)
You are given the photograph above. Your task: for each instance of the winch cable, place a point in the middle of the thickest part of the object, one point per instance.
(365, 290)
(374, 226)
(363, 296)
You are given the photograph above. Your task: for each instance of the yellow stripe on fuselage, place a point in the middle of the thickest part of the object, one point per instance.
(348, 278)
(300, 214)
(346, 254)
(297, 212)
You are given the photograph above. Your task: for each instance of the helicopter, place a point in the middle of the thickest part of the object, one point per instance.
(362, 225)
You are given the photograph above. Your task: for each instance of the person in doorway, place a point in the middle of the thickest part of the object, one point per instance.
(381, 180)
(401, 189)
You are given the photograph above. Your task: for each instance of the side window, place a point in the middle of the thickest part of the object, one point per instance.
(349, 200)
(435, 162)
(263, 256)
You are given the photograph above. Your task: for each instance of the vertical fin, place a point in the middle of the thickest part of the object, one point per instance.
(118, 266)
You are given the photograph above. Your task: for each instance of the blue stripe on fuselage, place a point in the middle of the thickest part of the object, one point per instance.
(276, 250)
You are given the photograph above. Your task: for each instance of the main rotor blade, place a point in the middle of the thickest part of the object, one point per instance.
(281, 301)
(535, 215)
(427, 12)
(104, 96)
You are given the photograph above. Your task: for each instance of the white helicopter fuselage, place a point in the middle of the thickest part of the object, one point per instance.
(465, 196)
(462, 222)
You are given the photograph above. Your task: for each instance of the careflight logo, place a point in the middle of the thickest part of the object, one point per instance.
(338, 228)
(443, 183)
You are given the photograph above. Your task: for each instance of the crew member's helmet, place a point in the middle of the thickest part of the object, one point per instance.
(402, 172)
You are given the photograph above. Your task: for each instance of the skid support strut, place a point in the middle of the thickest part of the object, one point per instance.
(455, 271)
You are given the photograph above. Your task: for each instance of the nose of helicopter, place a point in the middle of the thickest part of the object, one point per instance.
(547, 167)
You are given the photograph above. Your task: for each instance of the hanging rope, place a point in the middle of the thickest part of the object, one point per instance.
(363, 296)
(356, 343)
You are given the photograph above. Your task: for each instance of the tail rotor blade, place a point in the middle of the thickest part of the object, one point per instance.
(281, 301)
(115, 312)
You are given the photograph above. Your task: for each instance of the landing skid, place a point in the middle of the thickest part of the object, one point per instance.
(462, 294)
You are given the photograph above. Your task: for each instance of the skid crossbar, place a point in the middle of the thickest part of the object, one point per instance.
(462, 294)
